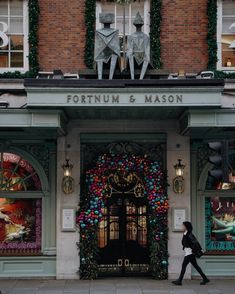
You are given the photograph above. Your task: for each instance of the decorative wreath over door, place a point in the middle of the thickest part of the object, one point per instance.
(90, 214)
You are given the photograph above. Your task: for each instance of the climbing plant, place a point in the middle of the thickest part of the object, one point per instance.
(90, 18)
(211, 34)
(155, 32)
(34, 11)
(94, 201)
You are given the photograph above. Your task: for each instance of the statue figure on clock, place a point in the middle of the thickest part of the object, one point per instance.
(138, 48)
(107, 47)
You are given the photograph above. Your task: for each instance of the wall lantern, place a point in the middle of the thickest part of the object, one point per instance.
(68, 181)
(178, 182)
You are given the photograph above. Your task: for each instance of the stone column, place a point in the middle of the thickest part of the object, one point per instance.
(67, 254)
(174, 152)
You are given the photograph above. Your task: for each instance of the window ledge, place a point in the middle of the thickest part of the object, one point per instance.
(12, 70)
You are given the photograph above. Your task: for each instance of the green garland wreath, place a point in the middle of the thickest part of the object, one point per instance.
(155, 31)
(34, 12)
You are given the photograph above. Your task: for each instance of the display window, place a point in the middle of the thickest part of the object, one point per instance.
(220, 225)
(20, 206)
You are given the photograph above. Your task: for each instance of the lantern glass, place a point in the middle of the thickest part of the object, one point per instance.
(179, 169)
(179, 172)
(67, 167)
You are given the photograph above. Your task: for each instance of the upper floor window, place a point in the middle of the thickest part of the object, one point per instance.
(141, 6)
(13, 35)
(226, 34)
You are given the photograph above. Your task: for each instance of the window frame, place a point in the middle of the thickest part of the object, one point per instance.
(26, 43)
(146, 15)
(43, 195)
(219, 38)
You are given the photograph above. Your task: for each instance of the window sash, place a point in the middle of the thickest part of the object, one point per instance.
(222, 31)
(118, 12)
(24, 33)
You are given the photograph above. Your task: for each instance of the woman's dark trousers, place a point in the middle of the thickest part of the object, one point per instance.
(191, 259)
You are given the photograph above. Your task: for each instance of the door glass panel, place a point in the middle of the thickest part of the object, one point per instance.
(131, 208)
(114, 228)
(102, 233)
(142, 231)
(131, 228)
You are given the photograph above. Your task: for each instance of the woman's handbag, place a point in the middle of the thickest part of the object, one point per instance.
(199, 253)
(196, 247)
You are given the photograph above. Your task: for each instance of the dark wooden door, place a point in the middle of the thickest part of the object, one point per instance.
(122, 236)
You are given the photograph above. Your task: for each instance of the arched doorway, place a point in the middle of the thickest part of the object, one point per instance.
(123, 218)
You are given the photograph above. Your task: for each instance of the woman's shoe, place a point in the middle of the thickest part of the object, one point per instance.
(177, 283)
(204, 282)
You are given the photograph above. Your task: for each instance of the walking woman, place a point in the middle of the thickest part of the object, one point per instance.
(192, 249)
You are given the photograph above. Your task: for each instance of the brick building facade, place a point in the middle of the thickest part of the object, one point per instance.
(62, 35)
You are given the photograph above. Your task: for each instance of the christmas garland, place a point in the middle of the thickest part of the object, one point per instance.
(90, 18)
(211, 34)
(33, 6)
(155, 31)
(94, 201)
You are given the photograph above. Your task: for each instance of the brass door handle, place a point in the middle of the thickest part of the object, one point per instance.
(120, 262)
(127, 262)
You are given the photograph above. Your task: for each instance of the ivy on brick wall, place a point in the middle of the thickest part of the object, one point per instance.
(90, 18)
(211, 34)
(155, 30)
(33, 6)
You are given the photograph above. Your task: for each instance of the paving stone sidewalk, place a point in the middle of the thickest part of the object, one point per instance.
(114, 286)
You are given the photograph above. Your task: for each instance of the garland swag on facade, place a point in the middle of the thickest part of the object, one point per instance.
(90, 18)
(155, 31)
(211, 34)
(34, 12)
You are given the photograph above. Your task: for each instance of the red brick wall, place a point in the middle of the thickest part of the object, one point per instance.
(61, 35)
(183, 37)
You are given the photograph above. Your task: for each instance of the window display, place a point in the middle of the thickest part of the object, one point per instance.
(16, 174)
(20, 214)
(220, 225)
(20, 226)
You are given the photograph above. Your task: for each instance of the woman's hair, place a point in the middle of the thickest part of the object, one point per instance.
(188, 226)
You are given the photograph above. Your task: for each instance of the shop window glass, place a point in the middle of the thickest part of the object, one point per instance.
(220, 225)
(228, 34)
(20, 211)
(20, 226)
(13, 34)
(16, 174)
(214, 184)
